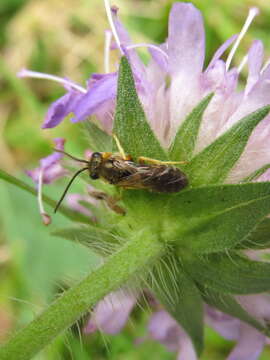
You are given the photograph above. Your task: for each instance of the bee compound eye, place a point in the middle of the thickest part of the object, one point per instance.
(94, 176)
(96, 155)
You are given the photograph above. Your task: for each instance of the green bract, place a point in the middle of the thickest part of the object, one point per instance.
(186, 247)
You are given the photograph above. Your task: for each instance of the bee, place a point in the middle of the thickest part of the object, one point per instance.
(120, 170)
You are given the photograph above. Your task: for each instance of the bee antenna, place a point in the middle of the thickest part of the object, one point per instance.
(70, 156)
(68, 186)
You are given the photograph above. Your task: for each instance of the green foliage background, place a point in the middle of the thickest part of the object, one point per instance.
(66, 38)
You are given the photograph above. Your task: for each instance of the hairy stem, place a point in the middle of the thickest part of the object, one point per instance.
(116, 271)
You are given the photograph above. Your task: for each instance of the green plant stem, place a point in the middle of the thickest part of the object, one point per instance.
(116, 271)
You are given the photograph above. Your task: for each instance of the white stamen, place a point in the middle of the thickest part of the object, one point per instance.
(265, 66)
(242, 64)
(39, 75)
(251, 15)
(107, 46)
(45, 217)
(113, 29)
(149, 46)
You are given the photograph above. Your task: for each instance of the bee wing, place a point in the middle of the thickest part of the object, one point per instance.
(135, 180)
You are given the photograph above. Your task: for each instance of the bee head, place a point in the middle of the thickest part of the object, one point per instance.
(94, 165)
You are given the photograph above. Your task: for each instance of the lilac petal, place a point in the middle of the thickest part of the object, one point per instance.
(159, 58)
(53, 173)
(250, 341)
(224, 103)
(99, 93)
(164, 329)
(111, 314)
(50, 165)
(186, 57)
(56, 156)
(105, 115)
(257, 305)
(258, 96)
(249, 161)
(74, 202)
(265, 176)
(50, 174)
(186, 41)
(250, 344)
(61, 108)
(157, 111)
(125, 40)
(220, 51)
(214, 77)
(255, 60)
(226, 325)
(187, 351)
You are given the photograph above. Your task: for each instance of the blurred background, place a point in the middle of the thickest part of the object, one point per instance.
(66, 38)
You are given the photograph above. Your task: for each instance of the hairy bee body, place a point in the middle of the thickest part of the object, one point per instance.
(131, 175)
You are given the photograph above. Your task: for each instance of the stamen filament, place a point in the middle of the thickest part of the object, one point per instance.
(46, 219)
(149, 46)
(251, 15)
(242, 64)
(107, 46)
(265, 66)
(39, 75)
(113, 29)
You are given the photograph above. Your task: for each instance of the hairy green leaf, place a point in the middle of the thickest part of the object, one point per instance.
(215, 218)
(259, 238)
(130, 123)
(227, 304)
(212, 165)
(229, 273)
(181, 298)
(184, 142)
(101, 241)
(63, 210)
(98, 140)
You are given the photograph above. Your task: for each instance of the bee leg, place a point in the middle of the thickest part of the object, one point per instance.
(120, 148)
(110, 201)
(143, 159)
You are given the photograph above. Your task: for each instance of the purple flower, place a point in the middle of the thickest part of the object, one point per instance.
(50, 166)
(181, 58)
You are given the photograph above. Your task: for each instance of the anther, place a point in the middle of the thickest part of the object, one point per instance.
(113, 29)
